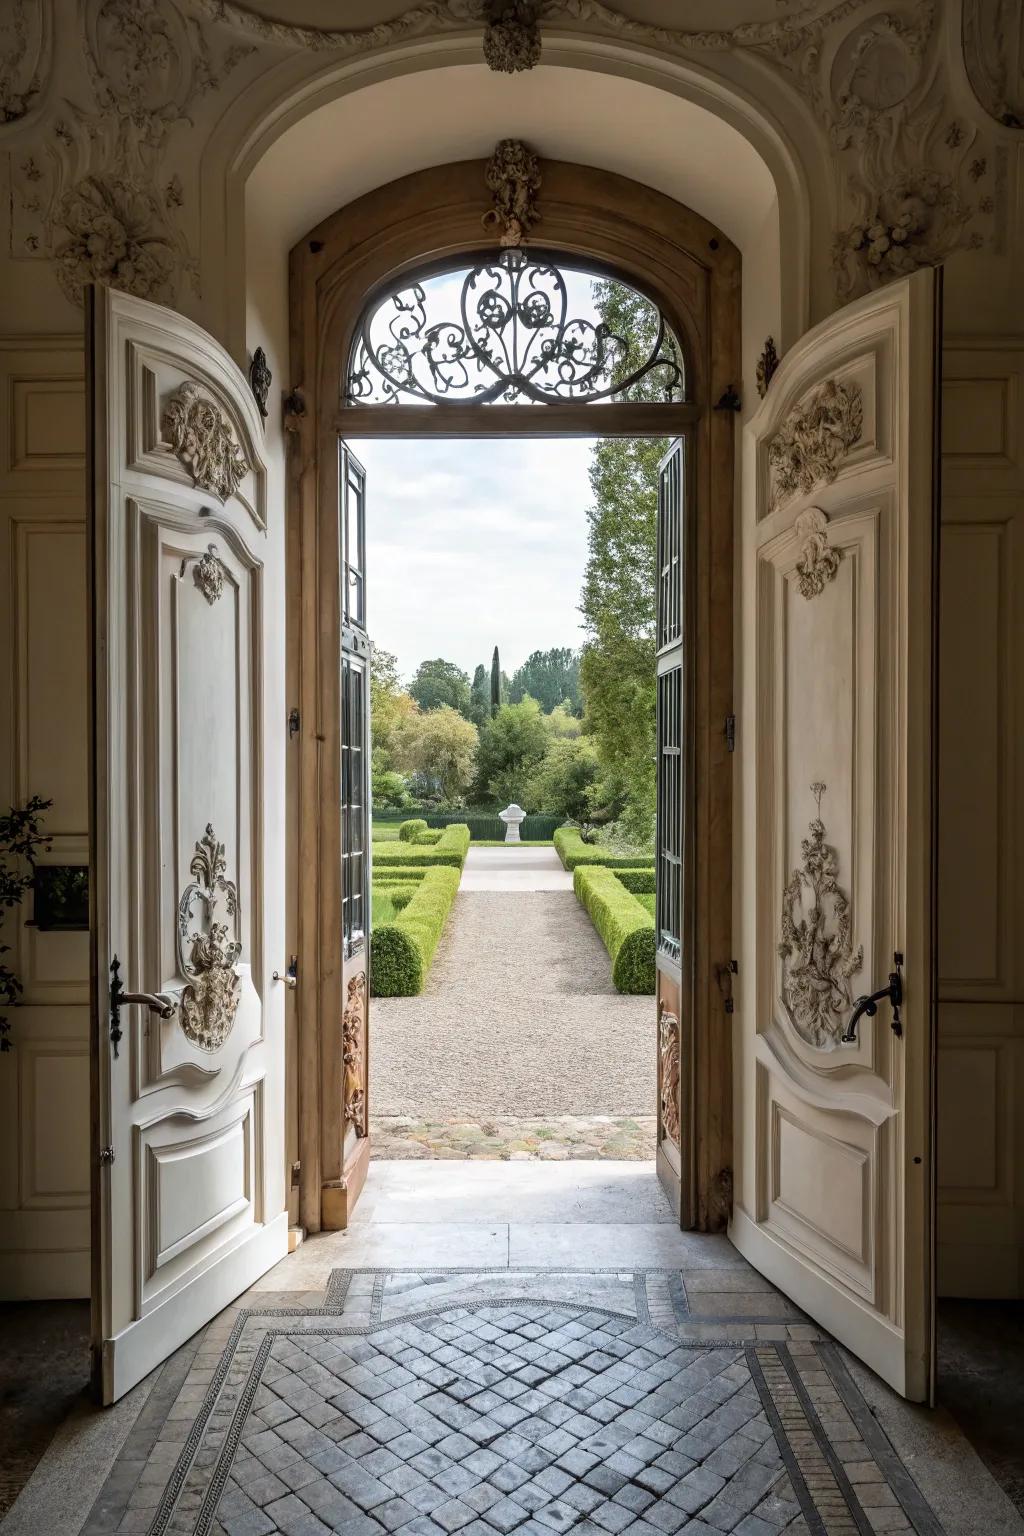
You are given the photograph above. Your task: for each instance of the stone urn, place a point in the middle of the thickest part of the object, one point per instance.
(513, 817)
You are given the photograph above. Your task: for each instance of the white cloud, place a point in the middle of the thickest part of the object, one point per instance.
(475, 543)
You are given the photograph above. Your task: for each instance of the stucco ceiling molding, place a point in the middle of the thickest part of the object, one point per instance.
(993, 44)
(26, 43)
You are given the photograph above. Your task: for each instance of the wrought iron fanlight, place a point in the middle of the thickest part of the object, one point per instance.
(512, 341)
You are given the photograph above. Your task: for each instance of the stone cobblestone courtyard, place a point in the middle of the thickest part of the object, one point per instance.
(603, 1403)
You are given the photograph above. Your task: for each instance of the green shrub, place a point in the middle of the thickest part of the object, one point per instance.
(401, 951)
(626, 929)
(390, 896)
(450, 849)
(573, 852)
(409, 831)
(639, 881)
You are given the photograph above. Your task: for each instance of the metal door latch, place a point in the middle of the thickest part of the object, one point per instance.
(106, 1156)
(290, 977)
(157, 1002)
(869, 1005)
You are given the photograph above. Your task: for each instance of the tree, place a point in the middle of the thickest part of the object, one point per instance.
(440, 682)
(619, 588)
(440, 746)
(496, 680)
(562, 722)
(513, 744)
(551, 677)
(562, 784)
(480, 696)
(389, 706)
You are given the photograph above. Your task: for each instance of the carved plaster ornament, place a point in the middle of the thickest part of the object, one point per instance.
(352, 1051)
(206, 954)
(993, 45)
(766, 366)
(201, 436)
(514, 179)
(24, 56)
(208, 575)
(260, 380)
(669, 1068)
(815, 946)
(819, 560)
(512, 40)
(812, 442)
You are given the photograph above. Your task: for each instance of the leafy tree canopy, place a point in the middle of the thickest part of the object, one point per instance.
(551, 677)
(439, 746)
(513, 744)
(389, 705)
(480, 696)
(438, 683)
(562, 784)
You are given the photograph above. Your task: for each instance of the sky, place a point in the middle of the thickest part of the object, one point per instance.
(472, 544)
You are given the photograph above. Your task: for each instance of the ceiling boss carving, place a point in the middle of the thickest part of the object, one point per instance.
(816, 947)
(818, 561)
(812, 442)
(512, 39)
(206, 954)
(201, 437)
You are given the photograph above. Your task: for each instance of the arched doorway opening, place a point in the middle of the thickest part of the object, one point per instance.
(393, 237)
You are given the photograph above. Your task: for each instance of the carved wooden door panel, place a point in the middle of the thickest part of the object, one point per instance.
(187, 845)
(833, 1111)
(674, 1154)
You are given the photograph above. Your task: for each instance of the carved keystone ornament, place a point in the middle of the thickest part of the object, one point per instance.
(206, 954)
(816, 947)
(201, 437)
(514, 179)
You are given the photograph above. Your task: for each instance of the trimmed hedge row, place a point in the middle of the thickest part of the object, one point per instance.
(483, 825)
(626, 929)
(450, 849)
(409, 831)
(401, 951)
(573, 852)
(640, 881)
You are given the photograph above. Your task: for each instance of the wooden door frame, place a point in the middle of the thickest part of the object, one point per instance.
(692, 272)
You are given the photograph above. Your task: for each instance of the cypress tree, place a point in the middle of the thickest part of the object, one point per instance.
(495, 682)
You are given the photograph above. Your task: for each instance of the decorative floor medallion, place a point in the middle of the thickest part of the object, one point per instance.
(497, 1401)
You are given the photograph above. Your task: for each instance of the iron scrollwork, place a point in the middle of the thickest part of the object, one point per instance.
(206, 954)
(513, 340)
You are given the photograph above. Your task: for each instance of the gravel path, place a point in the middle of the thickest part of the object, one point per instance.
(519, 1018)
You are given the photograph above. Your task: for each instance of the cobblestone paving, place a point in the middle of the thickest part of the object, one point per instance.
(554, 1139)
(492, 1402)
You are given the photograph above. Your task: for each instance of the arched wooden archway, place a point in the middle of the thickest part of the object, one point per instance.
(692, 272)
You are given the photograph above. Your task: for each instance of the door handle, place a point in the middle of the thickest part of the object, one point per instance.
(869, 1005)
(290, 977)
(157, 1002)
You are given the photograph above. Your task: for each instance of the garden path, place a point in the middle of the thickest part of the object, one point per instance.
(519, 1046)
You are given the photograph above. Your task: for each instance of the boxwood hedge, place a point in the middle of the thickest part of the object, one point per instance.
(401, 951)
(625, 927)
(409, 831)
(573, 852)
(639, 881)
(450, 849)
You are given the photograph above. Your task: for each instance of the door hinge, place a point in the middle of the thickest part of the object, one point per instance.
(293, 723)
(106, 1156)
(723, 976)
(730, 733)
(296, 1170)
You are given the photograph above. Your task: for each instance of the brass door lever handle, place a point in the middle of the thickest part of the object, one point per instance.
(157, 1002)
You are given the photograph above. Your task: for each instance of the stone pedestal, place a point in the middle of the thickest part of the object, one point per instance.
(513, 818)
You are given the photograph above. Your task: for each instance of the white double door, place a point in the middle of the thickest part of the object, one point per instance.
(188, 726)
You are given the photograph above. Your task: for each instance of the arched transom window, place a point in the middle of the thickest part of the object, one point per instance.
(519, 328)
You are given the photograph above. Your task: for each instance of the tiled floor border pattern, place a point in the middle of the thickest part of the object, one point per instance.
(812, 1404)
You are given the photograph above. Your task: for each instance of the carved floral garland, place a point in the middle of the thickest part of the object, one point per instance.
(352, 1051)
(669, 1062)
(818, 561)
(201, 436)
(206, 955)
(816, 946)
(812, 442)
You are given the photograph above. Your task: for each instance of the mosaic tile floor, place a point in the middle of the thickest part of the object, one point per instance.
(492, 1402)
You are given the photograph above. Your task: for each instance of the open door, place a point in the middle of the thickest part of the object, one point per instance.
(674, 1156)
(355, 833)
(186, 838)
(834, 862)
